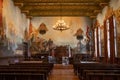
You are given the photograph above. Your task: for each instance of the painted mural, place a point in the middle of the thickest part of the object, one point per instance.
(18, 28)
(62, 38)
(14, 24)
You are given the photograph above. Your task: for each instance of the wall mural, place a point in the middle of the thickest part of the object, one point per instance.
(14, 24)
(17, 29)
(66, 37)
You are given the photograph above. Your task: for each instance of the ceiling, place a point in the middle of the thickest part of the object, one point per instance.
(37, 8)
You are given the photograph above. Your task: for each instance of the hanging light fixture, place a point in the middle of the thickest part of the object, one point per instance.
(60, 24)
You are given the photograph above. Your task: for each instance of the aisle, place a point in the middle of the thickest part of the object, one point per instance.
(61, 72)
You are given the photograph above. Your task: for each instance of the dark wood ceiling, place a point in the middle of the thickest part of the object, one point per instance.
(37, 8)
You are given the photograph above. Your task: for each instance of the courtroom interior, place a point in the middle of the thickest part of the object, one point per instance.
(59, 39)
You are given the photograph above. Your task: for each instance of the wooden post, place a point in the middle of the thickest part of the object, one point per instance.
(112, 44)
(97, 35)
(93, 45)
(105, 43)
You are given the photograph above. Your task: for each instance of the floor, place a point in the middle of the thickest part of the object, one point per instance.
(63, 72)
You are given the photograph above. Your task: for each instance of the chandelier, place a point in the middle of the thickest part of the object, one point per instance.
(60, 25)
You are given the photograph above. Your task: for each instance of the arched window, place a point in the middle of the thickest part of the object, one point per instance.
(115, 34)
(95, 38)
(108, 37)
(99, 40)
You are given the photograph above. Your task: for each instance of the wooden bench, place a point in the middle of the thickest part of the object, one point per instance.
(21, 76)
(76, 66)
(80, 68)
(31, 71)
(26, 69)
(49, 65)
(86, 72)
(103, 76)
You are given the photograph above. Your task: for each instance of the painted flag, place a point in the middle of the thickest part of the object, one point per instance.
(30, 28)
(26, 34)
(87, 32)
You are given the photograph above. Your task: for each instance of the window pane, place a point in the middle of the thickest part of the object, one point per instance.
(108, 38)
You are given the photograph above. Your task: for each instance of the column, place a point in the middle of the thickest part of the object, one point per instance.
(105, 44)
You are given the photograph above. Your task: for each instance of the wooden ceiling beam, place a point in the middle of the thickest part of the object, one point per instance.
(59, 4)
(72, 7)
(57, 13)
(97, 11)
(38, 8)
(92, 17)
(25, 11)
(62, 1)
(18, 4)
